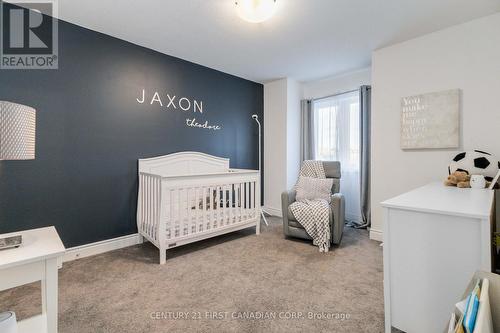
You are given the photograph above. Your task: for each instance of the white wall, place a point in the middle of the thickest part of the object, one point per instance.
(281, 140)
(336, 84)
(467, 57)
(282, 128)
(293, 131)
(275, 101)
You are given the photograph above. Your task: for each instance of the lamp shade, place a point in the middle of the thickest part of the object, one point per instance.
(17, 131)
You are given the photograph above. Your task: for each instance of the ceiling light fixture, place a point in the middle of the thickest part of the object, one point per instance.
(256, 11)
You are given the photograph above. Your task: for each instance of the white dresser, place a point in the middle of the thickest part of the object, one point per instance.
(435, 238)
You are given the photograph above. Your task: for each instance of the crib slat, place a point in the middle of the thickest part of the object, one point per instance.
(156, 210)
(199, 207)
(174, 212)
(141, 194)
(188, 211)
(197, 193)
(224, 211)
(157, 206)
(153, 202)
(178, 223)
(212, 205)
(204, 211)
(152, 205)
(247, 199)
(241, 202)
(171, 213)
(252, 200)
(173, 208)
(180, 211)
(256, 197)
(183, 211)
(191, 193)
(231, 204)
(217, 207)
(148, 203)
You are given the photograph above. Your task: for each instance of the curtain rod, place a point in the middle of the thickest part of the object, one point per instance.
(337, 94)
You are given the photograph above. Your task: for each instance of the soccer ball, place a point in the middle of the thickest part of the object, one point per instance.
(475, 162)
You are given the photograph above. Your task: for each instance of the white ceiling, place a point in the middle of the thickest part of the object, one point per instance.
(305, 40)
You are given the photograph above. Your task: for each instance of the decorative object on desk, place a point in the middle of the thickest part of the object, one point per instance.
(8, 322)
(17, 134)
(475, 162)
(459, 179)
(8, 242)
(431, 121)
(478, 182)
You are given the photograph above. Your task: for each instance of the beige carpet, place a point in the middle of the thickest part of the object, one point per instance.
(252, 284)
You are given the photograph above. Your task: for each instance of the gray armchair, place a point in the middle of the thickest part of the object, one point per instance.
(292, 228)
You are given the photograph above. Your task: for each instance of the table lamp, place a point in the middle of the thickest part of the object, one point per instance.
(17, 142)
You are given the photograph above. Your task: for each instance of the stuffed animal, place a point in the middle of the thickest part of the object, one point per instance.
(459, 179)
(475, 162)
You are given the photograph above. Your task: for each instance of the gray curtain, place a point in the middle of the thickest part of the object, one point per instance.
(365, 130)
(307, 130)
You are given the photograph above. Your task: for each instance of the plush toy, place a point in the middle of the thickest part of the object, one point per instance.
(459, 179)
(475, 162)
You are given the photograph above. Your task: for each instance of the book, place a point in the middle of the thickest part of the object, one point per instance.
(460, 327)
(453, 323)
(471, 308)
(484, 322)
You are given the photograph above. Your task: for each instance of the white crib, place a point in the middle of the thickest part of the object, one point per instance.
(189, 196)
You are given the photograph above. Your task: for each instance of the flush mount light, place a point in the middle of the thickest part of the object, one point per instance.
(256, 11)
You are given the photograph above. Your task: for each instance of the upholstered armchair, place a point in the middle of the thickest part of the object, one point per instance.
(292, 228)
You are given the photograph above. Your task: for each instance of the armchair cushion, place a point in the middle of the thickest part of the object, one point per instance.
(309, 188)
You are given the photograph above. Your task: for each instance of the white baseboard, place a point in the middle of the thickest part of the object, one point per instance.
(376, 235)
(91, 249)
(272, 211)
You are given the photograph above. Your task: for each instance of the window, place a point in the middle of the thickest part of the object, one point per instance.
(336, 137)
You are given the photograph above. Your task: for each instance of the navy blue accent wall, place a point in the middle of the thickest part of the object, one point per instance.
(91, 131)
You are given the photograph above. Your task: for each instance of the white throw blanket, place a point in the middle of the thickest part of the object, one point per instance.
(313, 215)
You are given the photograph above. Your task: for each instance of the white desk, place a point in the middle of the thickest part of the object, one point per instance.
(435, 238)
(35, 260)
